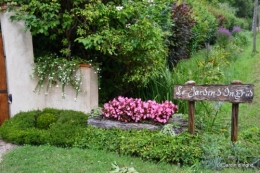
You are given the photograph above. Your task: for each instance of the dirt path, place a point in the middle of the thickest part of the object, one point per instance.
(5, 147)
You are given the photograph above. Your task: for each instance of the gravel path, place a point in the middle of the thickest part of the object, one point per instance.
(5, 147)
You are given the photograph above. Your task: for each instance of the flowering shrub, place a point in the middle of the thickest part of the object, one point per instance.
(223, 32)
(236, 29)
(134, 109)
(223, 36)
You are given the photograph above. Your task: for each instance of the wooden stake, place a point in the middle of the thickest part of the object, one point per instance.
(234, 118)
(191, 112)
(234, 122)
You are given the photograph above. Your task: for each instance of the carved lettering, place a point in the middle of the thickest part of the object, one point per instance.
(231, 93)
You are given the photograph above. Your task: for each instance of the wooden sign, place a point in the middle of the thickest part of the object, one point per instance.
(229, 93)
(235, 93)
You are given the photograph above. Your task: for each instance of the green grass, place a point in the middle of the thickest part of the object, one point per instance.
(49, 159)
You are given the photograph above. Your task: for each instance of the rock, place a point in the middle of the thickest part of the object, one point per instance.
(108, 124)
(179, 124)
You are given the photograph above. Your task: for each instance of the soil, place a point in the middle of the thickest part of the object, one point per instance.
(5, 147)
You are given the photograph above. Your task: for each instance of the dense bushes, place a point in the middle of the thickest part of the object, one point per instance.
(129, 40)
(149, 145)
(183, 22)
(70, 129)
(205, 29)
(49, 126)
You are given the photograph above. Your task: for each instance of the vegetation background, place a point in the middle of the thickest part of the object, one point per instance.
(143, 49)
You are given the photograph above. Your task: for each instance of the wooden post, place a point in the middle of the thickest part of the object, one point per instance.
(234, 117)
(191, 111)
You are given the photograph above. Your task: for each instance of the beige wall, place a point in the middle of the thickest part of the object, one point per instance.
(18, 50)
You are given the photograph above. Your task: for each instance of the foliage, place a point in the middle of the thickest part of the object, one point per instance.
(117, 169)
(45, 120)
(217, 150)
(223, 37)
(95, 112)
(125, 37)
(168, 130)
(52, 70)
(183, 22)
(230, 20)
(226, 7)
(149, 145)
(130, 109)
(159, 88)
(132, 44)
(32, 127)
(205, 29)
(236, 29)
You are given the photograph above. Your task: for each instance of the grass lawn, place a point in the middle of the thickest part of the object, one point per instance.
(50, 159)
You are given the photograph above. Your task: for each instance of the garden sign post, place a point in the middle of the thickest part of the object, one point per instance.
(234, 93)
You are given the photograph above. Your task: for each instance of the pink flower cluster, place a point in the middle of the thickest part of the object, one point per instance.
(133, 109)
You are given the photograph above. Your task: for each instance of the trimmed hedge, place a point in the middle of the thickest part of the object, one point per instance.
(61, 131)
(70, 130)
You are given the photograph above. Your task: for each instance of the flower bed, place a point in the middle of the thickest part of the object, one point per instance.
(135, 110)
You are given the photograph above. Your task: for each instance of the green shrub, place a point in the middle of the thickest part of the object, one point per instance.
(182, 25)
(50, 126)
(45, 120)
(206, 26)
(149, 145)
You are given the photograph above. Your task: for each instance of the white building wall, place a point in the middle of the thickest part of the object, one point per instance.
(18, 50)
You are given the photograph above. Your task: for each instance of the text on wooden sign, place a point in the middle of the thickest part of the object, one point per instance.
(231, 93)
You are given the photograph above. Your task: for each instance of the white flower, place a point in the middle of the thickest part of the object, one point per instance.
(128, 25)
(119, 8)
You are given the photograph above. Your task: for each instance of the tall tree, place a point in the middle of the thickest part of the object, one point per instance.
(255, 24)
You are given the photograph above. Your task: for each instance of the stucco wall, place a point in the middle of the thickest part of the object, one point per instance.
(18, 50)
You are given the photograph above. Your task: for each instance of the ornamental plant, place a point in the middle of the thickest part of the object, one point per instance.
(236, 29)
(223, 37)
(135, 110)
(181, 32)
(54, 71)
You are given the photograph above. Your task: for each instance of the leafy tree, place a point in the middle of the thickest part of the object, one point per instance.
(183, 22)
(125, 37)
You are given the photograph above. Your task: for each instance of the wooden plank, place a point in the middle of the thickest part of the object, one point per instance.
(2, 66)
(230, 93)
(191, 113)
(234, 122)
(4, 106)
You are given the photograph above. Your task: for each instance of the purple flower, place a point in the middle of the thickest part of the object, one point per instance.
(223, 32)
(236, 29)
